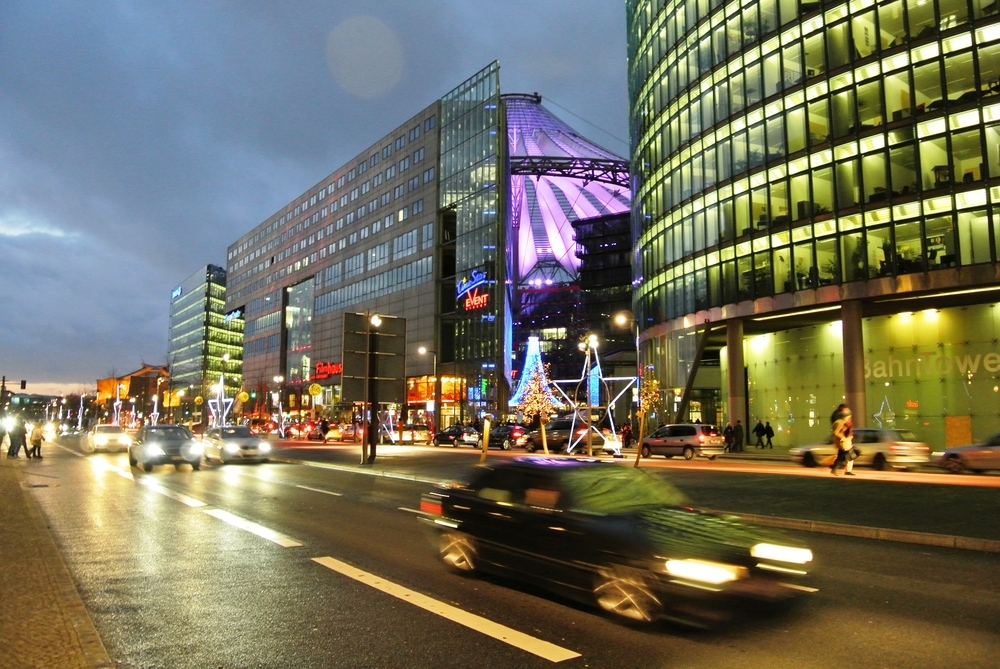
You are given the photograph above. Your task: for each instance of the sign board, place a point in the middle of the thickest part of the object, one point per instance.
(374, 355)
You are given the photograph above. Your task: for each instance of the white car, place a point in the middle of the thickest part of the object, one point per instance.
(112, 438)
(235, 443)
(881, 448)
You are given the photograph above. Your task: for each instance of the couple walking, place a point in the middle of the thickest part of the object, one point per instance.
(18, 438)
(842, 422)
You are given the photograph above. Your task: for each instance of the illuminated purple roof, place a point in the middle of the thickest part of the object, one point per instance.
(557, 176)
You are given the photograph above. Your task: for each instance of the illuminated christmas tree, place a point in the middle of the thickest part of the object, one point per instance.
(533, 395)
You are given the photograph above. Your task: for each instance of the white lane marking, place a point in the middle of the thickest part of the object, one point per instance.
(370, 472)
(172, 494)
(417, 511)
(68, 450)
(254, 528)
(543, 649)
(325, 492)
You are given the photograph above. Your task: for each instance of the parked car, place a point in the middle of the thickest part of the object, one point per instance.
(107, 438)
(972, 458)
(687, 439)
(457, 435)
(600, 533)
(164, 444)
(406, 434)
(563, 434)
(505, 436)
(235, 443)
(881, 448)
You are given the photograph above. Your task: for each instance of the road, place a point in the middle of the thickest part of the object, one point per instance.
(228, 567)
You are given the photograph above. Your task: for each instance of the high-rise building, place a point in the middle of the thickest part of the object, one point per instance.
(816, 197)
(205, 344)
(459, 220)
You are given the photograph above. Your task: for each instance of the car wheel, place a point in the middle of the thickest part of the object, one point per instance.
(530, 446)
(625, 593)
(458, 551)
(688, 453)
(147, 466)
(177, 466)
(645, 451)
(808, 459)
(195, 466)
(880, 463)
(87, 447)
(505, 445)
(712, 457)
(954, 465)
(132, 462)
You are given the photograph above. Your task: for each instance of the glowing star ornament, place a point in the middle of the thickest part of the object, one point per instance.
(220, 404)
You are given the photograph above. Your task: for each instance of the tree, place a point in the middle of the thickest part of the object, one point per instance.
(537, 399)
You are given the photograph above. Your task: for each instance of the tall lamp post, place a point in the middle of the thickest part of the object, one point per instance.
(279, 379)
(437, 387)
(622, 319)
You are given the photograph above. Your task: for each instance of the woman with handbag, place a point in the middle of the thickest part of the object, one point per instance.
(843, 439)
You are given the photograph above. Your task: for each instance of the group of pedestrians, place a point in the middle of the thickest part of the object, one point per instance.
(18, 438)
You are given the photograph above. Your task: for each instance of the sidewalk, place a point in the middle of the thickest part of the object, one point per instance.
(43, 622)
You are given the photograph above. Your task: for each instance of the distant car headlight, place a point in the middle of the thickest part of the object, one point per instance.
(781, 553)
(154, 449)
(232, 448)
(100, 440)
(124, 439)
(715, 573)
(264, 447)
(197, 448)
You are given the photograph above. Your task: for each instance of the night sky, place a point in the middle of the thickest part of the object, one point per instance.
(139, 139)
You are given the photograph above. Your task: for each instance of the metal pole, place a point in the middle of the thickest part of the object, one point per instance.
(365, 415)
(437, 395)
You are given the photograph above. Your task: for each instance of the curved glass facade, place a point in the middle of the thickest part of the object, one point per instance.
(781, 146)
(790, 154)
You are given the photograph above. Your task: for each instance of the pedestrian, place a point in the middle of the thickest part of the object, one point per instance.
(727, 434)
(626, 435)
(738, 436)
(769, 433)
(324, 427)
(16, 436)
(37, 435)
(843, 440)
(758, 431)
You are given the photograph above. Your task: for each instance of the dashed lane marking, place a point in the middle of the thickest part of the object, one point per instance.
(325, 492)
(525, 642)
(172, 494)
(253, 528)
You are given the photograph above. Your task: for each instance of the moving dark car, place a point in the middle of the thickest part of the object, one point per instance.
(593, 531)
(164, 444)
(506, 437)
(457, 435)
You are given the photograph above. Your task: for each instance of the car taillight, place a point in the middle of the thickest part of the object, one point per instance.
(701, 439)
(582, 431)
(431, 506)
(898, 447)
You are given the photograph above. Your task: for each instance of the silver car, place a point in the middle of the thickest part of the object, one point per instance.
(687, 439)
(972, 458)
(881, 448)
(235, 443)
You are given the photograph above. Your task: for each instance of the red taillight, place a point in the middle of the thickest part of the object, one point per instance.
(701, 439)
(432, 507)
(898, 447)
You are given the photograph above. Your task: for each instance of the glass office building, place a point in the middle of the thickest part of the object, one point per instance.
(817, 185)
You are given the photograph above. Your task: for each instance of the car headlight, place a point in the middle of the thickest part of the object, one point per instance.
(197, 448)
(781, 553)
(232, 448)
(124, 440)
(703, 571)
(153, 449)
(100, 440)
(264, 447)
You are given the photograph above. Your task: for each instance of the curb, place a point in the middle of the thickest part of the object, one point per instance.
(819, 526)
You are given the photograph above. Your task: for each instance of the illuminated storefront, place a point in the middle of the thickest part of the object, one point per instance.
(799, 164)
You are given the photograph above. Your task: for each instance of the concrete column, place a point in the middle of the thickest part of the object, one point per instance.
(737, 401)
(854, 361)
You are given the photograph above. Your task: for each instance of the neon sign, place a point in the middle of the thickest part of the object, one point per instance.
(325, 370)
(466, 284)
(469, 288)
(475, 300)
(176, 292)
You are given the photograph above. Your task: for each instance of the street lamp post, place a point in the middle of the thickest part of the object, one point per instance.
(279, 379)
(437, 386)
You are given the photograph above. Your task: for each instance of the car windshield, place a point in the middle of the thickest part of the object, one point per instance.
(235, 432)
(905, 435)
(168, 432)
(109, 429)
(617, 490)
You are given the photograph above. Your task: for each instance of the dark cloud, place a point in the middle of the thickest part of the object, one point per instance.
(137, 140)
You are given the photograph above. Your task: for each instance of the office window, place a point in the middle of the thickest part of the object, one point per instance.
(429, 175)
(353, 238)
(365, 187)
(353, 173)
(354, 194)
(417, 207)
(354, 265)
(397, 192)
(362, 166)
(340, 181)
(404, 164)
(385, 198)
(386, 151)
(413, 183)
(414, 132)
(400, 143)
(403, 214)
(429, 122)
(427, 233)
(390, 172)
(377, 180)
(418, 155)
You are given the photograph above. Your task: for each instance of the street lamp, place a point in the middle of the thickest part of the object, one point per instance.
(279, 379)
(437, 386)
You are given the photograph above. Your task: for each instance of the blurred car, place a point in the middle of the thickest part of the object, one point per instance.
(563, 434)
(415, 434)
(973, 458)
(263, 426)
(687, 439)
(881, 448)
(597, 532)
(506, 436)
(457, 435)
(235, 443)
(351, 430)
(106, 438)
(165, 444)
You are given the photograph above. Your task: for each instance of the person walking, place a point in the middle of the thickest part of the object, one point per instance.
(626, 435)
(738, 435)
(36, 438)
(324, 427)
(843, 439)
(16, 436)
(727, 434)
(769, 434)
(758, 431)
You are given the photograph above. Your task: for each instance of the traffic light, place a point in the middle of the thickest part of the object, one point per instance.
(253, 394)
(24, 384)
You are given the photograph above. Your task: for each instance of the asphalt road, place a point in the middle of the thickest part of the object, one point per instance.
(226, 567)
